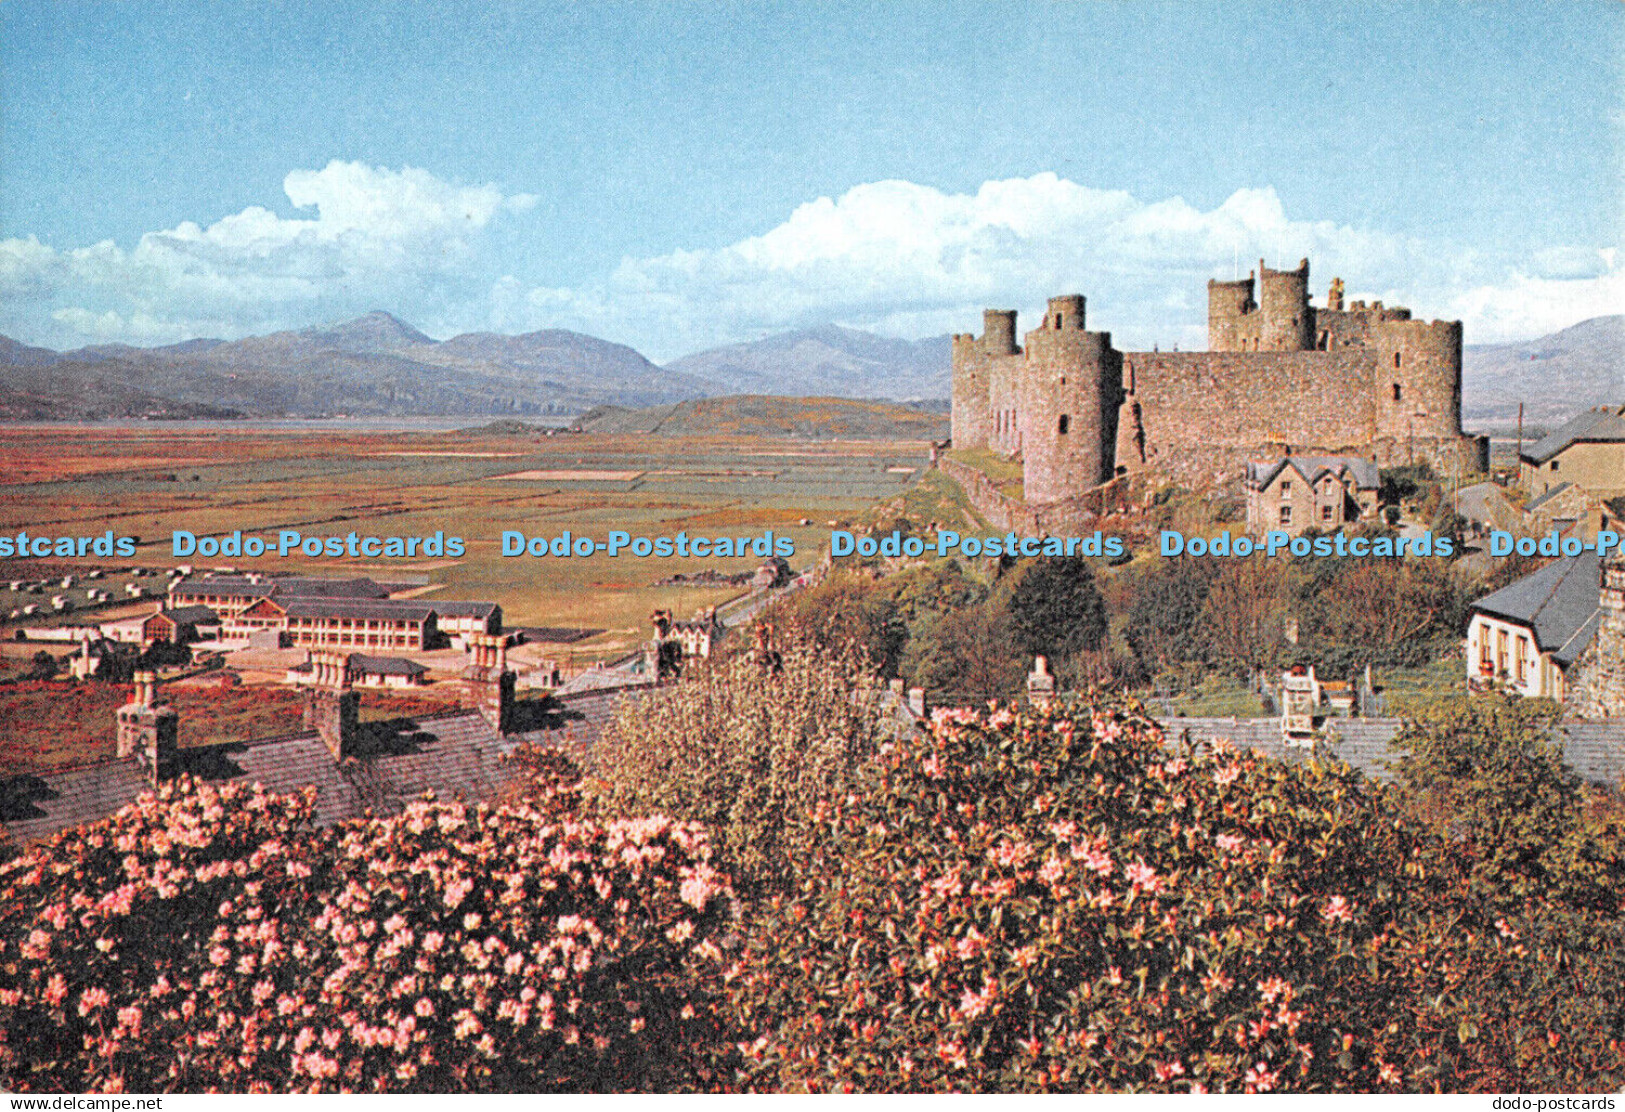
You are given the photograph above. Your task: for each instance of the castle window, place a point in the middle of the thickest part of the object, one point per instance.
(1060, 426)
(1057, 322)
(1396, 385)
(1396, 358)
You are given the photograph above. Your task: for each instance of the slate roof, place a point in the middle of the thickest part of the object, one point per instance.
(303, 587)
(1261, 473)
(1606, 423)
(222, 588)
(385, 665)
(1594, 749)
(191, 615)
(369, 609)
(1547, 497)
(296, 586)
(455, 609)
(1557, 602)
(454, 754)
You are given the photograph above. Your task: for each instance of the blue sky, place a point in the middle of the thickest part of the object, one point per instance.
(673, 176)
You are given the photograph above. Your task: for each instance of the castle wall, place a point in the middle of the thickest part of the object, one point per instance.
(1309, 401)
(1070, 391)
(1366, 380)
(1004, 374)
(1338, 328)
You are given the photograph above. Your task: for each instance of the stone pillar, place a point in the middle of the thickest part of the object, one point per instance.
(1040, 684)
(916, 702)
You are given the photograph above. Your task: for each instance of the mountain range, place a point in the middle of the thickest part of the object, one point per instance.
(377, 365)
(1554, 377)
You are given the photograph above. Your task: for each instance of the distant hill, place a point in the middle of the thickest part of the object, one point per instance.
(70, 390)
(758, 415)
(1555, 376)
(373, 365)
(832, 360)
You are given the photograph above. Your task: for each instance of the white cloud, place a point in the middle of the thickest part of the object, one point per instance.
(377, 238)
(911, 260)
(893, 256)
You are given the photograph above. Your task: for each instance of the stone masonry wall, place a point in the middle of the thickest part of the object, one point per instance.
(1597, 689)
(1310, 401)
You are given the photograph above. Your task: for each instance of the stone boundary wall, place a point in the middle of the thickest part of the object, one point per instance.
(1599, 687)
(1066, 517)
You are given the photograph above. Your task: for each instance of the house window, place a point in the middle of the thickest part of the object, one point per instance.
(1325, 513)
(1286, 515)
(1396, 388)
(1396, 358)
(1060, 426)
(1286, 487)
(1554, 465)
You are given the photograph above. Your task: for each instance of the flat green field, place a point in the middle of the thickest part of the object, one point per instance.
(147, 482)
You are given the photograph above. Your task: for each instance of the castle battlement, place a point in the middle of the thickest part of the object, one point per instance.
(1365, 379)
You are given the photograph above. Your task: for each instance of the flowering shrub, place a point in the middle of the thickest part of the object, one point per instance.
(748, 751)
(209, 938)
(1038, 902)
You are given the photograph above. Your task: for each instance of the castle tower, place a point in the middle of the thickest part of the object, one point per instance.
(1598, 686)
(332, 707)
(985, 373)
(1417, 383)
(1232, 320)
(1287, 322)
(1071, 390)
(149, 731)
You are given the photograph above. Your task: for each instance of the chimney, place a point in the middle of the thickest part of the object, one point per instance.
(1040, 684)
(495, 683)
(149, 732)
(332, 707)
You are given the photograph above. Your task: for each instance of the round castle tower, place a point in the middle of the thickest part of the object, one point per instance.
(1232, 324)
(1417, 383)
(1288, 324)
(975, 414)
(1280, 320)
(1070, 390)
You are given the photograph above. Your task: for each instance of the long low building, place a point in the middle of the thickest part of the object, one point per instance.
(338, 623)
(332, 613)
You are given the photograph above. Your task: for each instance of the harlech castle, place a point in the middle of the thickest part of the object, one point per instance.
(1280, 375)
